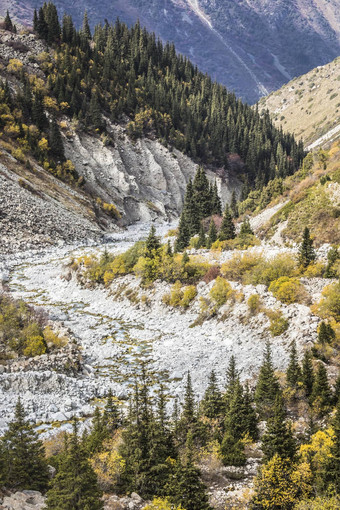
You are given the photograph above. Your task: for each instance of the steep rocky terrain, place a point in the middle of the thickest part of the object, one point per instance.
(143, 179)
(250, 46)
(309, 105)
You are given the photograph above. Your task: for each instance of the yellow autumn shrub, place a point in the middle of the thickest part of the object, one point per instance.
(288, 290)
(34, 346)
(221, 291)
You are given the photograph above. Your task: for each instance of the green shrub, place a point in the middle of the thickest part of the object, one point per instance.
(35, 346)
(179, 297)
(278, 323)
(221, 291)
(288, 290)
(329, 306)
(254, 304)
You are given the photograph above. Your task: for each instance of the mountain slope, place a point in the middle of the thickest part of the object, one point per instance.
(309, 106)
(252, 46)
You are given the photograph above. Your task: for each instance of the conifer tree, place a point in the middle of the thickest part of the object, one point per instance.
(86, 32)
(233, 205)
(212, 234)
(8, 22)
(152, 244)
(191, 211)
(293, 374)
(23, 454)
(56, 142)
(183, 237)
(188, 413)
(326, 333)
(111, 417)
(75, 484)
(232, 380)
(202, 241)
(35, 21)
(332, 256)
(216, 206)
(212, 402)
(202, 194)
(322, 393)
(307, 373)
(278, 438)
(98, 434)
(306, 251)
(227, 230)
(246, 228)
(267, 386)
(185, 488)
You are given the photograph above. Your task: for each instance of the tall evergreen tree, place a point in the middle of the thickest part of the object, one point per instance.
(278, 438)
(183, 237)
(326, 333)
(8, 22)
(267, 386)
(186, 489)
(202, 194)
(189, 412)
(24, 464)
(202, 240)
(216, 206)
(227, 230)
(86, 32)
(75, 484)
(111, 418)
(152, 244)
(212, 402)
(212, 234)
(322, 393)
(233, 205)
(306, 251)
(293, 374)
(246, 228)
(307, 373)
(191, 210)
(56, 142)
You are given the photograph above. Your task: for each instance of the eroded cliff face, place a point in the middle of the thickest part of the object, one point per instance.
(144, 179)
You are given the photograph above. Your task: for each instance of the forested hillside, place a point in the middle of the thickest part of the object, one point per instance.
(128, 71)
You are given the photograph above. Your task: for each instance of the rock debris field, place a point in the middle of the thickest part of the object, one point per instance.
(115, 335)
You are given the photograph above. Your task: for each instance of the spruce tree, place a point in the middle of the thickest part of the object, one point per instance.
(185, 488)
(169, 251)
(232, 380)
(216, 206)
(246, 228)
(8, 22)
(202, 241)
(306, 251)
(24, 464)
(326, 333)
(293, 374)
(233, 205)
(85, 31)
(75, 484)
(227, 230)
(267, 386)
(188, 414)
(322, 393)
(307, 373)
(202, 195)
(111, 417)
(212, 402)
(183, 237)
(98, 434)
(152, 244)
(56, 142)
(212, 234)
(278, 438)
(190, 210)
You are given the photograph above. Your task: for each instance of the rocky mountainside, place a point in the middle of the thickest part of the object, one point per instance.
(309, 106)
(144, 179)
(252, 47)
